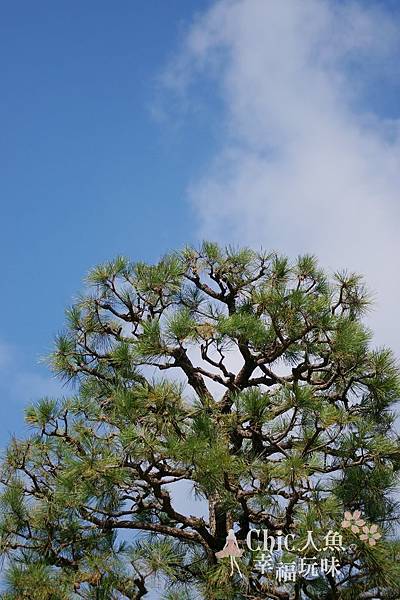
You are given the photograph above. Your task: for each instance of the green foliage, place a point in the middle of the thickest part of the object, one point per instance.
(244, 327)
(245, 377)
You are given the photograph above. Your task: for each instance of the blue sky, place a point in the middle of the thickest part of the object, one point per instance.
(136, 127)
(86, 171)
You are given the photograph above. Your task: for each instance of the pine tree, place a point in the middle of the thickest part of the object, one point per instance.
(252, 379)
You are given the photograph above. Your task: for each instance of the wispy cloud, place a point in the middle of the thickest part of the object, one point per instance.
(6, 353)
(308, 161)
(21, 383)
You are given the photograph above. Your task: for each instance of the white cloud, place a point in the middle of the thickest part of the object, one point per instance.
(6, 355)
(302, 165)
(29, 386)
(21, 383)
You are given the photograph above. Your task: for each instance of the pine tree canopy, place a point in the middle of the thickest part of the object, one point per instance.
(243, 378)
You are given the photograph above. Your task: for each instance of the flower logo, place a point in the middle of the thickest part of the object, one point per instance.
(367, 533)
(370, 535)
(353, 521)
